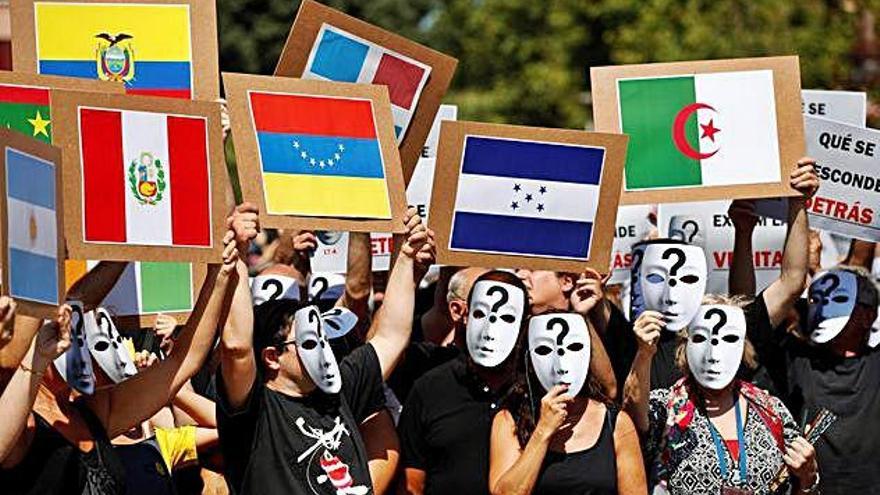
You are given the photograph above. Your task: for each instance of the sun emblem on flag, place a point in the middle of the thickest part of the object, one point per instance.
(115, 57)
(328, 160)
(32, 227)
(146, 179)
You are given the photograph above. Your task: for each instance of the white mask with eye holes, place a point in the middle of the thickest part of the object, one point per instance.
(314, 351)
(559, 347)
(716, 340)
(494, 320)
(107, 346)
(271, 287)
(673, 281)
(833, 296)
(75, 365)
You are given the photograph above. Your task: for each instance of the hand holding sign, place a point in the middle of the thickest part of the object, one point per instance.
(804, 178)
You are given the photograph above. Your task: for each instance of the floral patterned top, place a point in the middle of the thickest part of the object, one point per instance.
(691, 466)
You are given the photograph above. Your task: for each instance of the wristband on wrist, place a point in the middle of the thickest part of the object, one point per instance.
(814, 487)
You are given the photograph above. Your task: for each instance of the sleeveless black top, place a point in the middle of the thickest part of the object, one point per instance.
(592, 471)
(52, 466)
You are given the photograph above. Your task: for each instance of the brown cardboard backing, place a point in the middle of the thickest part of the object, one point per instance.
(446, 175)
(18, 141)
(302, 36)
(203, 26)
(133, 322)
(66, 136)
(789, 121)
(247, 156)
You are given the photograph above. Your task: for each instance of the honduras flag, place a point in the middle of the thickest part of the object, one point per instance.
(526, 198)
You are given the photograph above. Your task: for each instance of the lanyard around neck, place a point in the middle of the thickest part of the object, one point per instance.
(741, 444)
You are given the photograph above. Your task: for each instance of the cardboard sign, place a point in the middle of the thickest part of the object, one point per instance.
(144, 177)
(526, 197)
(146, 289)
(327, 45)
(632, 226)
(418, 190)
(152, 47)
(332, 143)
(735, 126)
(849, 107)
(848, 165)
(709, 226)
(31, 240)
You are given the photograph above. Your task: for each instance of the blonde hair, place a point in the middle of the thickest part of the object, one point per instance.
(750, 357)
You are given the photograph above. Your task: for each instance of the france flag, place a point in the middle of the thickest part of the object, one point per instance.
(526, 198)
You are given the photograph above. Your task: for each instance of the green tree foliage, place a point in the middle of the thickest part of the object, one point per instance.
(527, 61)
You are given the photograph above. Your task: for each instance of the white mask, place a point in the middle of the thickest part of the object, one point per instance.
(686, 228)
(314, 350)
(326, 286)
(833, 296)
(673, 281)
(559, 346)
(75, 365)
(107, 346)
(716, 339)
(494, 320)
(636, 301)
(874, 337)
(271, 287)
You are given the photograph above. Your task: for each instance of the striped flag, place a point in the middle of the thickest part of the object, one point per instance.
(526, 198)
(147, 47)
(146, 178)
(26, 109)
(32, 228)
(324, 149)
(340, 56)
(713, 129)
(144, 287)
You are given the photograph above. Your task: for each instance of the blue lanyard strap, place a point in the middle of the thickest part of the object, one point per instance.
(741, 444)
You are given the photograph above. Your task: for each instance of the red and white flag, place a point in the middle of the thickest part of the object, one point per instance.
(146, 178)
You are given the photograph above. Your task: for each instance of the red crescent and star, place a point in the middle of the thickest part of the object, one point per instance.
(678, 135)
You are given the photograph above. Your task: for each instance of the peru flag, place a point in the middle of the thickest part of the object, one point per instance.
(146, 178)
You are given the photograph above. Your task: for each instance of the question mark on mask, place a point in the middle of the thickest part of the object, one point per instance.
(722, 320)
(276, 284)
(833, 283)
(680, 257)
(315, 317)
(694, 233)
(76, 320)
(504, 296)
(552, 323)
(323, 283)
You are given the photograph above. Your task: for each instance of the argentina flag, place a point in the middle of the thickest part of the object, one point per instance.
(526, 198)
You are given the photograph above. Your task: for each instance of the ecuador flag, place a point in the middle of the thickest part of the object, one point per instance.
(146, 46)
(26, 109)
(320, 156)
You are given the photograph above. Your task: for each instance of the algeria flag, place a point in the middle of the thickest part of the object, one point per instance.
(713, 129)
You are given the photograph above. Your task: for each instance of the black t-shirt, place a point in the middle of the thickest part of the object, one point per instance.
(145, 471)
(445, 427)
(277, 444)
(419, 358)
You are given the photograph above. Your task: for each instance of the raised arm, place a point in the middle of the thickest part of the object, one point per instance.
(358, 279)
(588, 299)
(647, 328)
(139, 397)
(781, 295)
(861, 253)
(392, 326)
(631, 479)
(17, 400)
(741, 281)
(93, 287)
(238, 366)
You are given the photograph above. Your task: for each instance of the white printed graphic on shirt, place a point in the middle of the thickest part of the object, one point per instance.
(335, 470)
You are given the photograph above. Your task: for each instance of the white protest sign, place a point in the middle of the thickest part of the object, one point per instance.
(418, 192)
(849, 107)
(715, 229)
(848, 165)
(632, 226)
(331, 255)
